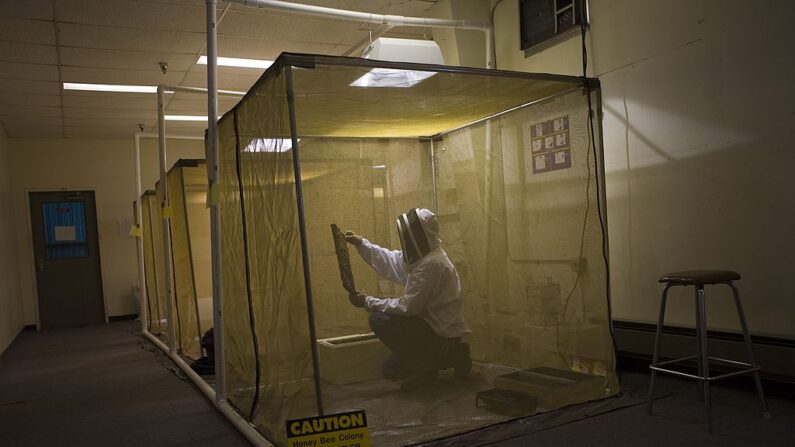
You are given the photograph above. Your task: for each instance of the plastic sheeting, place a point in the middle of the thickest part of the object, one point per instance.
(516, 197)
(190, 251)
(155, 298)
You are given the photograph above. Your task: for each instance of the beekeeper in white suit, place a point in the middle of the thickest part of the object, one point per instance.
(424, 326)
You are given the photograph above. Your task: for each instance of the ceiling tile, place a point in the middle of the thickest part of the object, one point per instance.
(28, 53)
(33, 72)
(110, 100)
(141, 15)
(121, 59)
(30, 100)
(197, 77)
(130, 123)
(270, 50)
(111, 76)
(104, 132)
(282, 26)
(24, 110)
(41, 121)
(31, 87)
(106, 37)
(24, 30)
(113, 113)
(23, 131)
(31, 9)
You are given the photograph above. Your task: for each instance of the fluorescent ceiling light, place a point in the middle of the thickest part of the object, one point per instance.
(390, 77)
(187, 117)
(269, 145)
(238, 62)
(110, 87)
(379, 166)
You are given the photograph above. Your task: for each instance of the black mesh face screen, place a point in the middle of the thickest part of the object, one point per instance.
(419, 234)
(410, 253)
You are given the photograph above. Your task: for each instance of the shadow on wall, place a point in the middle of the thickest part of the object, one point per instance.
(717, 206)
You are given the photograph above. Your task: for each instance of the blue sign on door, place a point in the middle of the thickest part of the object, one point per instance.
(65, 230)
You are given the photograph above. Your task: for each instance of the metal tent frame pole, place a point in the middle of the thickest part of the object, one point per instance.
(164, 204)
(144, 297)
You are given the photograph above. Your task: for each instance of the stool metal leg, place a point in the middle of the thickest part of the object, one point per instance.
(700, 364)
(657, 342)
(704, 360)
(765, 412)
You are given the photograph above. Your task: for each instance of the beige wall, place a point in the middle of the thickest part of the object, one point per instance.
(107, 167)
(698, 133)
(11, 320)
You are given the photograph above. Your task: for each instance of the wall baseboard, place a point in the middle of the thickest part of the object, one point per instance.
(635, 342)
(122, 317)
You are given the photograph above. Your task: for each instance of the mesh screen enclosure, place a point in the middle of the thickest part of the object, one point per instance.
(510, 166)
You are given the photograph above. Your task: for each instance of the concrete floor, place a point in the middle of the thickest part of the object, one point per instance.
(104, 385)
(101, 386)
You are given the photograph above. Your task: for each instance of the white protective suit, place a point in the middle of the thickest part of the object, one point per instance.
(432, 288)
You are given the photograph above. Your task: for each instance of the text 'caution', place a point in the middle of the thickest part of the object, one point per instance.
(335, 430)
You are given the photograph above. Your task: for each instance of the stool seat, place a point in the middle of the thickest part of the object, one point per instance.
(699, 277)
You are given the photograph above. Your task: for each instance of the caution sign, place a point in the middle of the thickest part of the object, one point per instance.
(334, 430)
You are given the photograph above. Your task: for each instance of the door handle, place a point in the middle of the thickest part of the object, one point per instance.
(40, 264)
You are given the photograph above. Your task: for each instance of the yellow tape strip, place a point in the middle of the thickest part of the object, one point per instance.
(167, 212)
(136, 231)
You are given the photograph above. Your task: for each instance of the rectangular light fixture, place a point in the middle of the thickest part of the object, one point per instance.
(390, 77)
(269, 145)
(379, 166)
(238, 62)
(187, 117)
(110, 87)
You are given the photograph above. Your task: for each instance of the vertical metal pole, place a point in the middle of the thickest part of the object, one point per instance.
(657, 344)
(747, 337)
(699, 328)
(144, 301)
(702, 335)
(490, 63)
(161, 140)
(212, 183)
(433, 177)
(304, 245)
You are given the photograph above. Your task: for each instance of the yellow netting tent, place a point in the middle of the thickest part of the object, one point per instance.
(189, 225)
(153, 263)
(509, 165)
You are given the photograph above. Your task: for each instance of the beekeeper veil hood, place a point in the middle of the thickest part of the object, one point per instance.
(419, 234)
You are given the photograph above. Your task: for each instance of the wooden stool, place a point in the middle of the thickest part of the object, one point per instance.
(698, 279)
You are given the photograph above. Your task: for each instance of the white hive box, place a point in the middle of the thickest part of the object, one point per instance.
(351, 358)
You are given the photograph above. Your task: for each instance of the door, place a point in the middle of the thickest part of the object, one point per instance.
(66, 253)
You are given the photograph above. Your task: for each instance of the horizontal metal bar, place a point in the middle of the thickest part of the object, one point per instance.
(731, 362)
(512, 109)
(179, 88)
(171, 137)
(344, 14)
(735, 373)
(683, 359)
(677, 373)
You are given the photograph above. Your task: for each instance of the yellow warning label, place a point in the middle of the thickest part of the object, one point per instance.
(136, 231)
(335, 430)
(168, 212)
